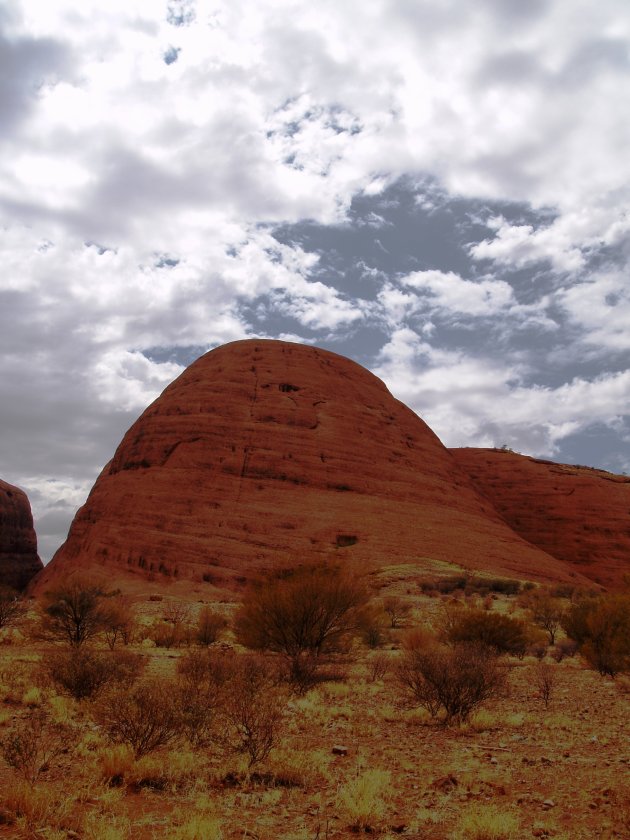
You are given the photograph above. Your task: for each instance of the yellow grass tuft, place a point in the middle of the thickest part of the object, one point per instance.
(115, 763)
(486, 822)
(32, 697)
(363, 801)
(199, 826)
(34, 807)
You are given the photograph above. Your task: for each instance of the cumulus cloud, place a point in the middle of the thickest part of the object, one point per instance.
(151, 153)
(483, 401)
(451, 293)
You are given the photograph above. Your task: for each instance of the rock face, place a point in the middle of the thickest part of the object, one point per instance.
(265, 453)
(578, 514)
(19, 561)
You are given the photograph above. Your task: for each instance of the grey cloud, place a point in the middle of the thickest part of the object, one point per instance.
(594, 57)
(26, 64)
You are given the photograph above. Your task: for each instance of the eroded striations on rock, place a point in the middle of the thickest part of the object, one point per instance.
(578, 514)
(267, 453)
(19, 561)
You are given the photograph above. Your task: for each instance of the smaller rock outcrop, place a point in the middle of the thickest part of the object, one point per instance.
(19, 561)
(577, 514)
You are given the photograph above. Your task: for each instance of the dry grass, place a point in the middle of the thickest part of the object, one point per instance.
(363, 801)
(404, 774)
(487, 822)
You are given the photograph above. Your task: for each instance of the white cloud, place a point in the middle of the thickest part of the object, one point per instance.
(474, 401)
(451, 293)
(521, 245)
(600, 307)
(284, 111)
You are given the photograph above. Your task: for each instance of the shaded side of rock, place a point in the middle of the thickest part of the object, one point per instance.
(19, 561)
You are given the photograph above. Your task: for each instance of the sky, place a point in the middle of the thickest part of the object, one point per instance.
(438, 189)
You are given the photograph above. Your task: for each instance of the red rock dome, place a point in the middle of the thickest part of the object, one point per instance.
(264, 453)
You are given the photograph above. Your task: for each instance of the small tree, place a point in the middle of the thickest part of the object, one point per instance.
(397, 609)
(301, 614)
(73, 612)
(546, 612)
(456, 680)
(12, 607)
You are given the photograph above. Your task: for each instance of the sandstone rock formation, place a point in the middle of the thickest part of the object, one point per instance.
(578, 514)
(264, 453)
(19, 561)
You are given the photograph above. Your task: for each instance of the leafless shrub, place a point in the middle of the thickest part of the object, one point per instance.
(12, 607)
(564, 648)
(145, 717)
(201, 680)
(253, 708)
(378, 666)
(118, 622)
(544, 680)
(371, 624)
(209, 626)
(33, 743)
(82, 673)
(397, 609)
(456, 681)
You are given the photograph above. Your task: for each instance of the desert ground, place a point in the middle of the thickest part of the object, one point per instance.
(350, 754)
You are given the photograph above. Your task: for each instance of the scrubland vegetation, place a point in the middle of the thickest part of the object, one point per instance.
(320, 705)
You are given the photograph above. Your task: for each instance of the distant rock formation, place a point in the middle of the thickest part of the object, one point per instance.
(267, 453)
(578, 514)
(19, 561)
